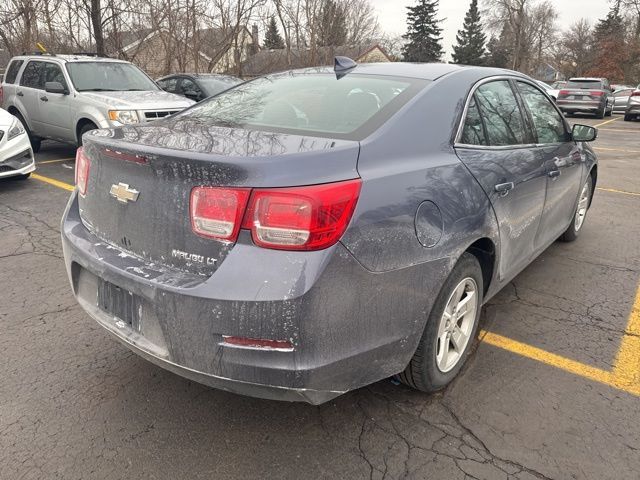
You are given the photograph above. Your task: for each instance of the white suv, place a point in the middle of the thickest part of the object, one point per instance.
(61, 97)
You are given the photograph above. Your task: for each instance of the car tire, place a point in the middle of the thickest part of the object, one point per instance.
(580, 215)
(627, 117)
(429, 370)
(610, 112)
(35, 142)
(601, 113)
(87, 127)
(23, 177)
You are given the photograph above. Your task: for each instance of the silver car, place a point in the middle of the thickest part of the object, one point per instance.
(621, 99)
(61, 97)
(633, 106)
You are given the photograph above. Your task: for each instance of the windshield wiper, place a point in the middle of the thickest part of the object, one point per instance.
(98, 90)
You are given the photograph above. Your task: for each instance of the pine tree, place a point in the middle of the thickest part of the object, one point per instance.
(471, 39)
(272, 38)
(497, 54)
(332, 28)
(424, 40)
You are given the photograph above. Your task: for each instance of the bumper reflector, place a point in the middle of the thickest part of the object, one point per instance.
(257, 344)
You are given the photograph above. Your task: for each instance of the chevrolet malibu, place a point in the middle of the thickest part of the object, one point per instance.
(311, 232)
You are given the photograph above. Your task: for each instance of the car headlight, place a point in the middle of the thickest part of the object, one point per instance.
(125, 117)
(15, 129)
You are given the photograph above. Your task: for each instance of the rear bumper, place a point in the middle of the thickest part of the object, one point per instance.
(585, 106)
(349, 327)
(633, 109)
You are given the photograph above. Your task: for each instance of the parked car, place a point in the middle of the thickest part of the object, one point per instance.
(586, 95)
(197, 86)
(621, 99)
(16, 156)
(314, 231)
(61, 97)
(548, 90)
(632, 112)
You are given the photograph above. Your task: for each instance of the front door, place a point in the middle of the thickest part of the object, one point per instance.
(55, 110)
(497, 147)
(562, 160)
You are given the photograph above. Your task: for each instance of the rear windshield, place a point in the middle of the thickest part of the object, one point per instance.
(314, 104)
(216, 85)
(108, 76)
(586, 84)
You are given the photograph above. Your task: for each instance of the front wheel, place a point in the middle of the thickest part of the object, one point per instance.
(580, 216)
(87, 127)
(450, 330)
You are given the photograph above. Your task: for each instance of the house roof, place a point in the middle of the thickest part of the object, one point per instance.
(269, 61)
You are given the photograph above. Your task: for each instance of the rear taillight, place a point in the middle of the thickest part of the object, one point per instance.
(217, 212)
(301, 218)
(597, 93)
(636, 93)
(82, 170)
(563, 92)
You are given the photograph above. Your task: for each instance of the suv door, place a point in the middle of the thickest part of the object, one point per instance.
(8, 89)
(27, 95)
(496, 145)
(55, 108)
(562, 162)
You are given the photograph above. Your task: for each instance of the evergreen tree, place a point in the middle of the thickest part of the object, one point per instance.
(332, 28)
(497, 54)
(424, 40)
(471, 39)
(272, 38)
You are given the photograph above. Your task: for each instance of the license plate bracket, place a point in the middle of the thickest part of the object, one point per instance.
(120, 303)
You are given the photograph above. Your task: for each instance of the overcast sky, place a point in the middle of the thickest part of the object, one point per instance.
(392, 14)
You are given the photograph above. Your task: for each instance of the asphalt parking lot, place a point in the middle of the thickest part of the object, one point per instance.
(552, 390)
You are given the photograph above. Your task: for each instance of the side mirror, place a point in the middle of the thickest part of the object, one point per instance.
(55, 87)
(584, 133)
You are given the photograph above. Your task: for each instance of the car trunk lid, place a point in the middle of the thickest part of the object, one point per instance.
(141, 178)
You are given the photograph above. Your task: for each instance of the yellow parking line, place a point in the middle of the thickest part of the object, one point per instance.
(54, 182)
(627, 367)
(622, 130)
(605, 149)
(55, 161)
(618, 191)
(548, 358)
(605, 123)
(626, 373)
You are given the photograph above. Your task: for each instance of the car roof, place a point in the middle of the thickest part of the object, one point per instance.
(424, 71)
(199, 75)
(69, 58)
(591, 79)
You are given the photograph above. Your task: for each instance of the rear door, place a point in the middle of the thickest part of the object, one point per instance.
(28, 93)
(55, 110)
(562, 163)
(496, 145)
(8, 88)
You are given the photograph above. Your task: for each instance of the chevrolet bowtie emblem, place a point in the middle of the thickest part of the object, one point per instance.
(123, 193)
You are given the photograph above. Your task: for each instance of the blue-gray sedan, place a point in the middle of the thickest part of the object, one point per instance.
(311, 232)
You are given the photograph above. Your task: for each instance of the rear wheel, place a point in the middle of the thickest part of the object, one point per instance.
(450, 330)
(35, 141)
(610, 112)
(627, 117)
(580, 216)
(601, 113)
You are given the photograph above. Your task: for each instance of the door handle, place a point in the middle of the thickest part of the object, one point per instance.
(20, 94)
(504, 188)
(44, 99)
(554, 173)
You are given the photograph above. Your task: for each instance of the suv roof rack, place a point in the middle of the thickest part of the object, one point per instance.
(89, 54)
(46, 54)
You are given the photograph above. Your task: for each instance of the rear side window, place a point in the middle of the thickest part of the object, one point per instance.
(315, 104)
(501, 114)
(623, 93)
(473, 130)
(12, 71)
(31, 77)
(547, 122)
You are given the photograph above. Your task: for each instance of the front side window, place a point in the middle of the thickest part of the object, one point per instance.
(501, 113)
(12, 71)
(315, 104)
(31, 77)
(548, 124)
(473, 130)
(108, 77)
(169, 84)
(189, 86)
(53, 73)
